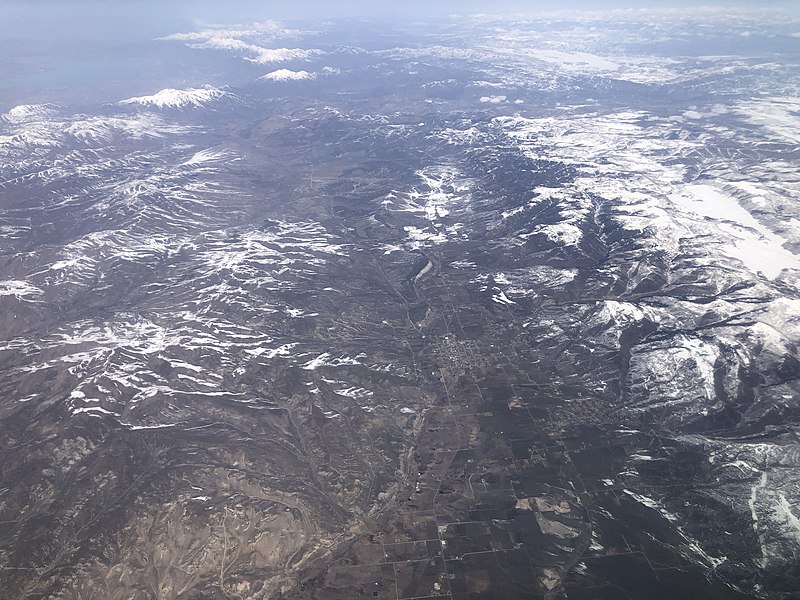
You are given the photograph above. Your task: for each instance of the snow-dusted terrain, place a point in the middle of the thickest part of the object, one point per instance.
(509, 307)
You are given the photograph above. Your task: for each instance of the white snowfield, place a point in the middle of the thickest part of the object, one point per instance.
(755, 245)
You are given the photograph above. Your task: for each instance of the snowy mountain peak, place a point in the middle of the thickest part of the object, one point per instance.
(288, 75)
(29, 112)
(173, 98)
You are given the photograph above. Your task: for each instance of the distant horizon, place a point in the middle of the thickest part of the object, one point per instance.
(95, 19)
(316, 9)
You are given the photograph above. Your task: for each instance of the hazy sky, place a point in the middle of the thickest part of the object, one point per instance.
(99, 17)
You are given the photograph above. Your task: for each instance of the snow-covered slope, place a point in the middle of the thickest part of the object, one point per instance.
(29, 112)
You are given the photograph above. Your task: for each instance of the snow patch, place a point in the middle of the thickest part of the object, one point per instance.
(18, 288)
